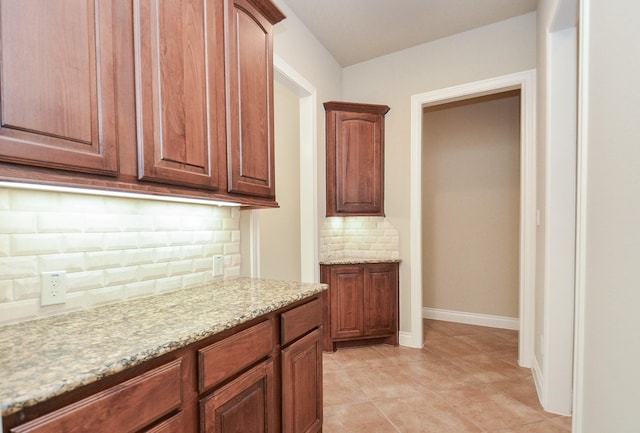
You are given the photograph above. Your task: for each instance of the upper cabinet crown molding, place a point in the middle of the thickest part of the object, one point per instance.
(355, 158)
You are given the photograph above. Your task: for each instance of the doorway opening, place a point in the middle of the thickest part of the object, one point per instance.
(525, 83)
(470, 210)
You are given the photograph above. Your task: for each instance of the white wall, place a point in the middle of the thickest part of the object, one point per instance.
(280, 227)
(471, 205)
(491, 51)
(556, 192)
(299, 49)
(608, 289)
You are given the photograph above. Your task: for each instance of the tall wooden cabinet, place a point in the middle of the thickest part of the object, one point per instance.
(179, 70)
(355, 158)
(361, 303)
(167, 97)
(251, 167)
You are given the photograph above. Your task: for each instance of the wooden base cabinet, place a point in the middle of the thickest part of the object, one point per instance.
(245, 405)
(261, 377)
(361, 303)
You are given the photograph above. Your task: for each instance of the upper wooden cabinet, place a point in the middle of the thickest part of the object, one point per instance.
(57, 97)
(250, 97)
(179, 62)
(355, 158)
(171, 97)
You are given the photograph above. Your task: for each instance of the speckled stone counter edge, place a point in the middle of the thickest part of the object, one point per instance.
(47, 357)
(355, 261)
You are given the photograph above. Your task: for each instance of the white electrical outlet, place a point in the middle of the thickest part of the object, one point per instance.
(54, 288)
(218, 265)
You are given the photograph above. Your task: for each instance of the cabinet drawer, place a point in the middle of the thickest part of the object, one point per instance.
(127, 407)
(172, 425)
(227, 357)
(300, 320)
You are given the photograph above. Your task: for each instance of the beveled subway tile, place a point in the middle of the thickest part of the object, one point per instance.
(356, 418)
(340, 388)
(425, 413)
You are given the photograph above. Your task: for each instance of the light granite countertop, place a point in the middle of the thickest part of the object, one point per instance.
(357, 261)
(44, 358)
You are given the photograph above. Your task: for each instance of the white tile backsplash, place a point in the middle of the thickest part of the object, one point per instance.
(358, 238)
(111, 248)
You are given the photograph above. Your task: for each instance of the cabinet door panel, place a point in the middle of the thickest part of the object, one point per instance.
(359, 162)
(250, 101)
(346, 302)
(302, 385)
(380, 300)
(245, 405)
(179, 74)
(57, 98)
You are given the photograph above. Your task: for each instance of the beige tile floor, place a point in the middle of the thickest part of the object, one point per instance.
(465, 380)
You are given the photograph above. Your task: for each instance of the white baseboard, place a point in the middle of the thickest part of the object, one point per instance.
(537, 379)
(408, 339)
(472, 318)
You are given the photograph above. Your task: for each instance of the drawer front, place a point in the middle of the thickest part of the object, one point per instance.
(227, 357)
(297, 322)
(172, 425)
(124, 408)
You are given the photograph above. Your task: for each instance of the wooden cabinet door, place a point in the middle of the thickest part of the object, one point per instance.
(302, 385)
(179, 61)
(247, 404)
(381, 299)
(250, 98)
(347, 295)
(355, 159)
(57, 92)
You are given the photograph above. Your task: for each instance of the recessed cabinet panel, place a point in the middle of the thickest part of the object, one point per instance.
(250, 101)
(346, 302)
(244, 405)
(57, 97)
(302, 385)
(359, 162)
(179, 79)
(381, 300)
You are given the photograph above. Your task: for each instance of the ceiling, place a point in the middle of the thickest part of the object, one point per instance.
(358, 30)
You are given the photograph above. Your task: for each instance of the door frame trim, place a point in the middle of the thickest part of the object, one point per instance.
(526, 82)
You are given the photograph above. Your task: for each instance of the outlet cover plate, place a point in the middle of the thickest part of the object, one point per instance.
(54, 288)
